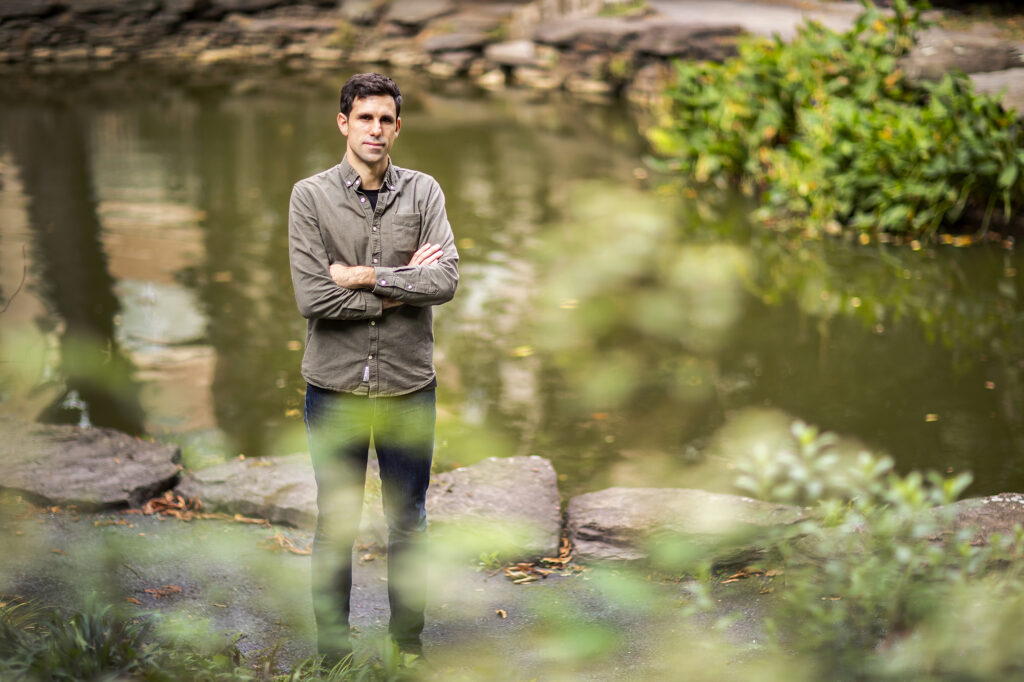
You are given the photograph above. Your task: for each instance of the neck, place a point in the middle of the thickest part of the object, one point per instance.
(370, 177)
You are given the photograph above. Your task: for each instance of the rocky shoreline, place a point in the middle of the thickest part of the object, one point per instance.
(510, 506)
(586, 47)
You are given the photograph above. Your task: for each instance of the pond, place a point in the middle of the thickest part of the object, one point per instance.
(631, 339)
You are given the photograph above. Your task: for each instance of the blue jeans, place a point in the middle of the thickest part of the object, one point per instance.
(340, 427)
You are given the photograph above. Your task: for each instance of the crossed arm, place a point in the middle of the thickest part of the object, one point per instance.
(365, 276)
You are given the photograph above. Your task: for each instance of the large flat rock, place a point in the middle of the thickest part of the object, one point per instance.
(279, 489)
(637, 524)
(594, 33)
(938, 52)
(768, 17)
(985, 516)
(510, 506)
(91, 468)
(415, 14)
(687, 40)
(1009, 82)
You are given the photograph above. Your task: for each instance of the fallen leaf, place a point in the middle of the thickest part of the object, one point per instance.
(59, 551)
(133, 600)
(165, 591)
(220, 606)
(284, 543)
(501, 613)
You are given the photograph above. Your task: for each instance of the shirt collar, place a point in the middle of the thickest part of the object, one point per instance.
(350, 176)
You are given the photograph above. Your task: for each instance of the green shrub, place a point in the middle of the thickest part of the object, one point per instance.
(828, 132)
(875, 567)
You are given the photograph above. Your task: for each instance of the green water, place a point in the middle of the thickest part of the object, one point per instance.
(150, 213)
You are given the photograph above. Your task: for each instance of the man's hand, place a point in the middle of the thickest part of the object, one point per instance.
(353, 276)
(428, 254)
(364, 276)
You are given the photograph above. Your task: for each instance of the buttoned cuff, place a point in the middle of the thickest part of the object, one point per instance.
(374, 304)
(388, 280)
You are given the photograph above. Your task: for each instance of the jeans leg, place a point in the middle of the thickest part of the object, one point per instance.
(338, 427)
(404, 439)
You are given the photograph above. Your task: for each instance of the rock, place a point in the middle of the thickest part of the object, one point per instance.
(407, 58)
(648, 85)
(492, 80)
(645, 524)
(590, 33)
(509, 505)
(687, 41)
(456, 42)
(513, 53)
(224, 6)
(1011, 81)
(938, 52)
(361, 12)
(109, 7)
(582, 85)
(538, 79)
(450, 64)
(279, 489)
(1000, 513)
(91, 468)
(414, 14)
(10, 9)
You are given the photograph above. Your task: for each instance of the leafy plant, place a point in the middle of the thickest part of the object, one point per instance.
(828, 132)
(872, 563)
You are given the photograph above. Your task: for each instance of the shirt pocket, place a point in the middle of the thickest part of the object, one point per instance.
(405, 237)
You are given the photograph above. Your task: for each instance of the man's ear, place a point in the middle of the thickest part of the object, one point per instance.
(398, 126)
(343, 124)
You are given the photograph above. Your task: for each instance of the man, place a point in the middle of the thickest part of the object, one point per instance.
(371, 252)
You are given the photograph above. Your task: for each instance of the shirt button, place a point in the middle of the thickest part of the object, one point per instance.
(383, 282)
(371, 357)
(375, 260)
(362, 200)
(409, 287)
(373, 323)
(348, 183)
(374, 228)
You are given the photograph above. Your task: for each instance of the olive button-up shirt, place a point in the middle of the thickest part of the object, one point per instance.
(352, 343)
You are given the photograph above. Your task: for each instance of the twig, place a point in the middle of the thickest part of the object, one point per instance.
(24, 276)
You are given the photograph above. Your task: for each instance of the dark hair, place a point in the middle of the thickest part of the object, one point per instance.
(368, 85)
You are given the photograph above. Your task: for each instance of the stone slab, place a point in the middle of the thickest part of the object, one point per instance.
(986, 516)
(687, 40)
(513, 53)
(509, 505)
(1010, 82)
(456, 42)
(627, 524)
(414, 14)
(279, 489)
(597, 33)
(938, 52)
(10, 9)
(90, 468)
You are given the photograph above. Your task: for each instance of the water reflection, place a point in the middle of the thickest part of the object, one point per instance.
(51, 153)
(626, 338)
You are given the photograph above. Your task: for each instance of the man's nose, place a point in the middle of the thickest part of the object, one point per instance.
(376, 129)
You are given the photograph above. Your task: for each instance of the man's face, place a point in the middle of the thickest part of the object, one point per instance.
(371, 128)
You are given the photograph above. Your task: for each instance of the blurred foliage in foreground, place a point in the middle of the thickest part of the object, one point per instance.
(877, 583)
(873, 584)
(829, 133)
